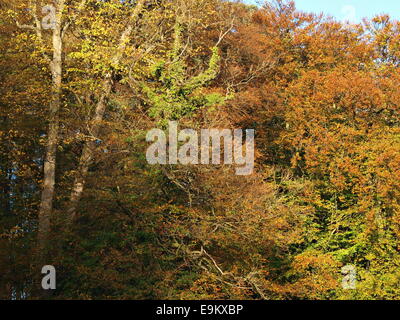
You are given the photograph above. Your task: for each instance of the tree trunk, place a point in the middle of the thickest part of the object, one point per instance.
(87, 152)
(46, 204)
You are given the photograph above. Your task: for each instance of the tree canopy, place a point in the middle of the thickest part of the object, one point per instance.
(76, 191)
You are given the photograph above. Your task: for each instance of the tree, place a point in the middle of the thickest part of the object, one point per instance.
(58, 28)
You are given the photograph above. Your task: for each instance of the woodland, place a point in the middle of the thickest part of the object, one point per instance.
(79, 94)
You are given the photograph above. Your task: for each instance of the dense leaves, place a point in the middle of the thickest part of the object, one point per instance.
(324, 100)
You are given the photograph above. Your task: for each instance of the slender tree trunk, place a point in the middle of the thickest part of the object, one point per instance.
(46, 204)
(87, 152)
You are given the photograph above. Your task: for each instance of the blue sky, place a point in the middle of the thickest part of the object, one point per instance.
(352, 10)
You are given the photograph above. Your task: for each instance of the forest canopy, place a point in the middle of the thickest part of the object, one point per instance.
(84, 81)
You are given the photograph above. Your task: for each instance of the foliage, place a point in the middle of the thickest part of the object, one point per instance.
(322, 96)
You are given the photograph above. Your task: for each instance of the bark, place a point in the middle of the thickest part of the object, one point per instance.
(49, 171)
(89, 146)
(87, 151)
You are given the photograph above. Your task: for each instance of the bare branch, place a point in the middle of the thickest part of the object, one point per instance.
(223, 35)
(24, 26)
(37, 27)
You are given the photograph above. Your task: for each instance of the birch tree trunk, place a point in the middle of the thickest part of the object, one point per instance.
(87, 152)
(46, 204)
